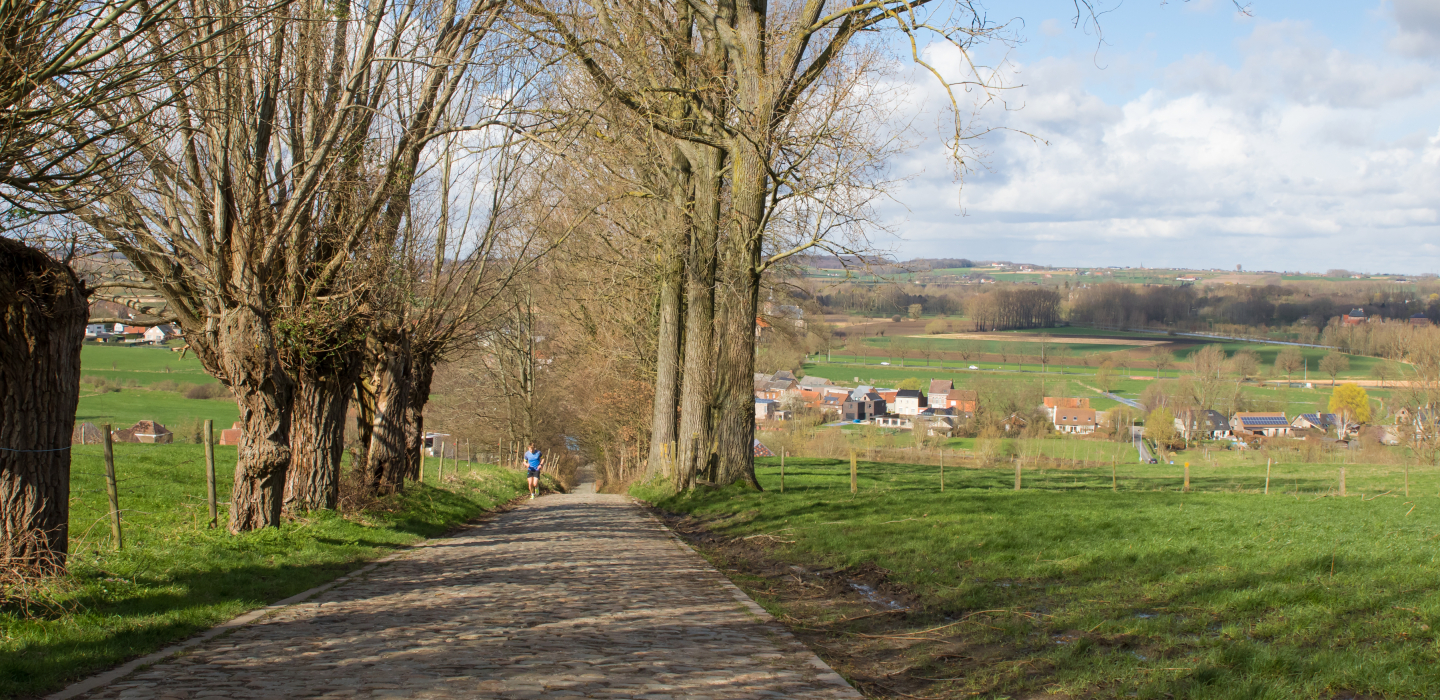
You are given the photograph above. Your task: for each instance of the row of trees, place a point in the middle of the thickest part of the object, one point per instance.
(1005, 309)
(330, 200)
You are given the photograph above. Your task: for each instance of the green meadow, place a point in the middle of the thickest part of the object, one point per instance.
(123, 385)
(1068, 588)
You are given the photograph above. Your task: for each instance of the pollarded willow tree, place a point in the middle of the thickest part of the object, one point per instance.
(62, 64)
(275, 181)
(759, 104)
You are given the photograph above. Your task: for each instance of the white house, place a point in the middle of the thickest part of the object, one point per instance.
(160, 334)
(909, 402)
(1081, 421)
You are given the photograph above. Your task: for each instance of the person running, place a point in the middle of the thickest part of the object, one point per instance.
(533, 457)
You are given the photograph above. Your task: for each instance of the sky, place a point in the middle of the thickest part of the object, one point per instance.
(1302, 136)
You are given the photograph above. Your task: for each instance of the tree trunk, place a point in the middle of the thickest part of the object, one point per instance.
(250, 366)
(697, 382)
(667, 365)
(422, 371)
(664, 415)
(386, 457)
(43, 311)
(317, 432)
(736, 363)
(735, 398)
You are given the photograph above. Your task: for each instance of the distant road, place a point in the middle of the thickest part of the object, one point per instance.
(1137, 438)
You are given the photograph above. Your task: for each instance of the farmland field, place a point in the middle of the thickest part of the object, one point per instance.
(1070, 589)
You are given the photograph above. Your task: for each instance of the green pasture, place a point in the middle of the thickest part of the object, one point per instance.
(125, 407)
(1360, 365)
(1069, 589)
(177, 576)
(144, 364)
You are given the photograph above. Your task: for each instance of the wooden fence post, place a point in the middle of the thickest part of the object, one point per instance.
(942, 470)
(1267, 476)
(210, 472)
(1342, 482)
(1114, 485)
(114, 492)
(1187, 477)
(782, 470)
(854, 483)
(1017, 475)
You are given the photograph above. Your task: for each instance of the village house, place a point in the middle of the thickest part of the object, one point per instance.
(1255, 423)
(1202, 425)
(939, 388)
(964, 401)
(1355, 317)
(1015, 422)
(1054, 402)
(813, 382)
(766, 409)
(909, 402)
(1080, 421)
(1323, 422)
(1419, 320)
(891, 420)
(938, 421)
(863, 408)
(161, 333)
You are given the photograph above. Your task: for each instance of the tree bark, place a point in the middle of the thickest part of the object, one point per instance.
(665, 413)
(250, 367)
(735, 398)
(697, 382)
(43, 310)
(317, 433)
(667, 365)
(422, 372)
(386, 457)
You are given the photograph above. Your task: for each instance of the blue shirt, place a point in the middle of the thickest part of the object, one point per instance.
(533, 457)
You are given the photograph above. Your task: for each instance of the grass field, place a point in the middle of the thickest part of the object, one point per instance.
(123, 408)
(136, 371)
(1068, 589)
(177, 576)
(145, 364)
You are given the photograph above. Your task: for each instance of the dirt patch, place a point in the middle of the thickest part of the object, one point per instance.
(881, 636)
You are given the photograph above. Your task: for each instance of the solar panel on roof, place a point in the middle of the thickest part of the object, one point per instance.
(1264, 420)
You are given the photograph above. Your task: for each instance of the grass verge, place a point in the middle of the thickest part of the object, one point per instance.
(1071, 590)
(176, 576)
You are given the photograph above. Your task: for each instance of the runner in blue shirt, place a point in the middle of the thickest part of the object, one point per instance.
(533, 456)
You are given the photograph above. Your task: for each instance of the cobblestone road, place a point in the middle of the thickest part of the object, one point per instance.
(576, 595)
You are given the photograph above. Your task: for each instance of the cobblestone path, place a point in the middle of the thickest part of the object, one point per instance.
(574, 595)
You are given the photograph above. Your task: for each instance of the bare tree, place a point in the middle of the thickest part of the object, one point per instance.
(293, 163)
(62, 64)
(1333, 363)
(743, 89)
(1288, 360)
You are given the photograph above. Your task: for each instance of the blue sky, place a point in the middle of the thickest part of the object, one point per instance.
(1305, 136)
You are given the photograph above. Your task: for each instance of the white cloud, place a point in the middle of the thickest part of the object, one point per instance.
(1305, 157)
